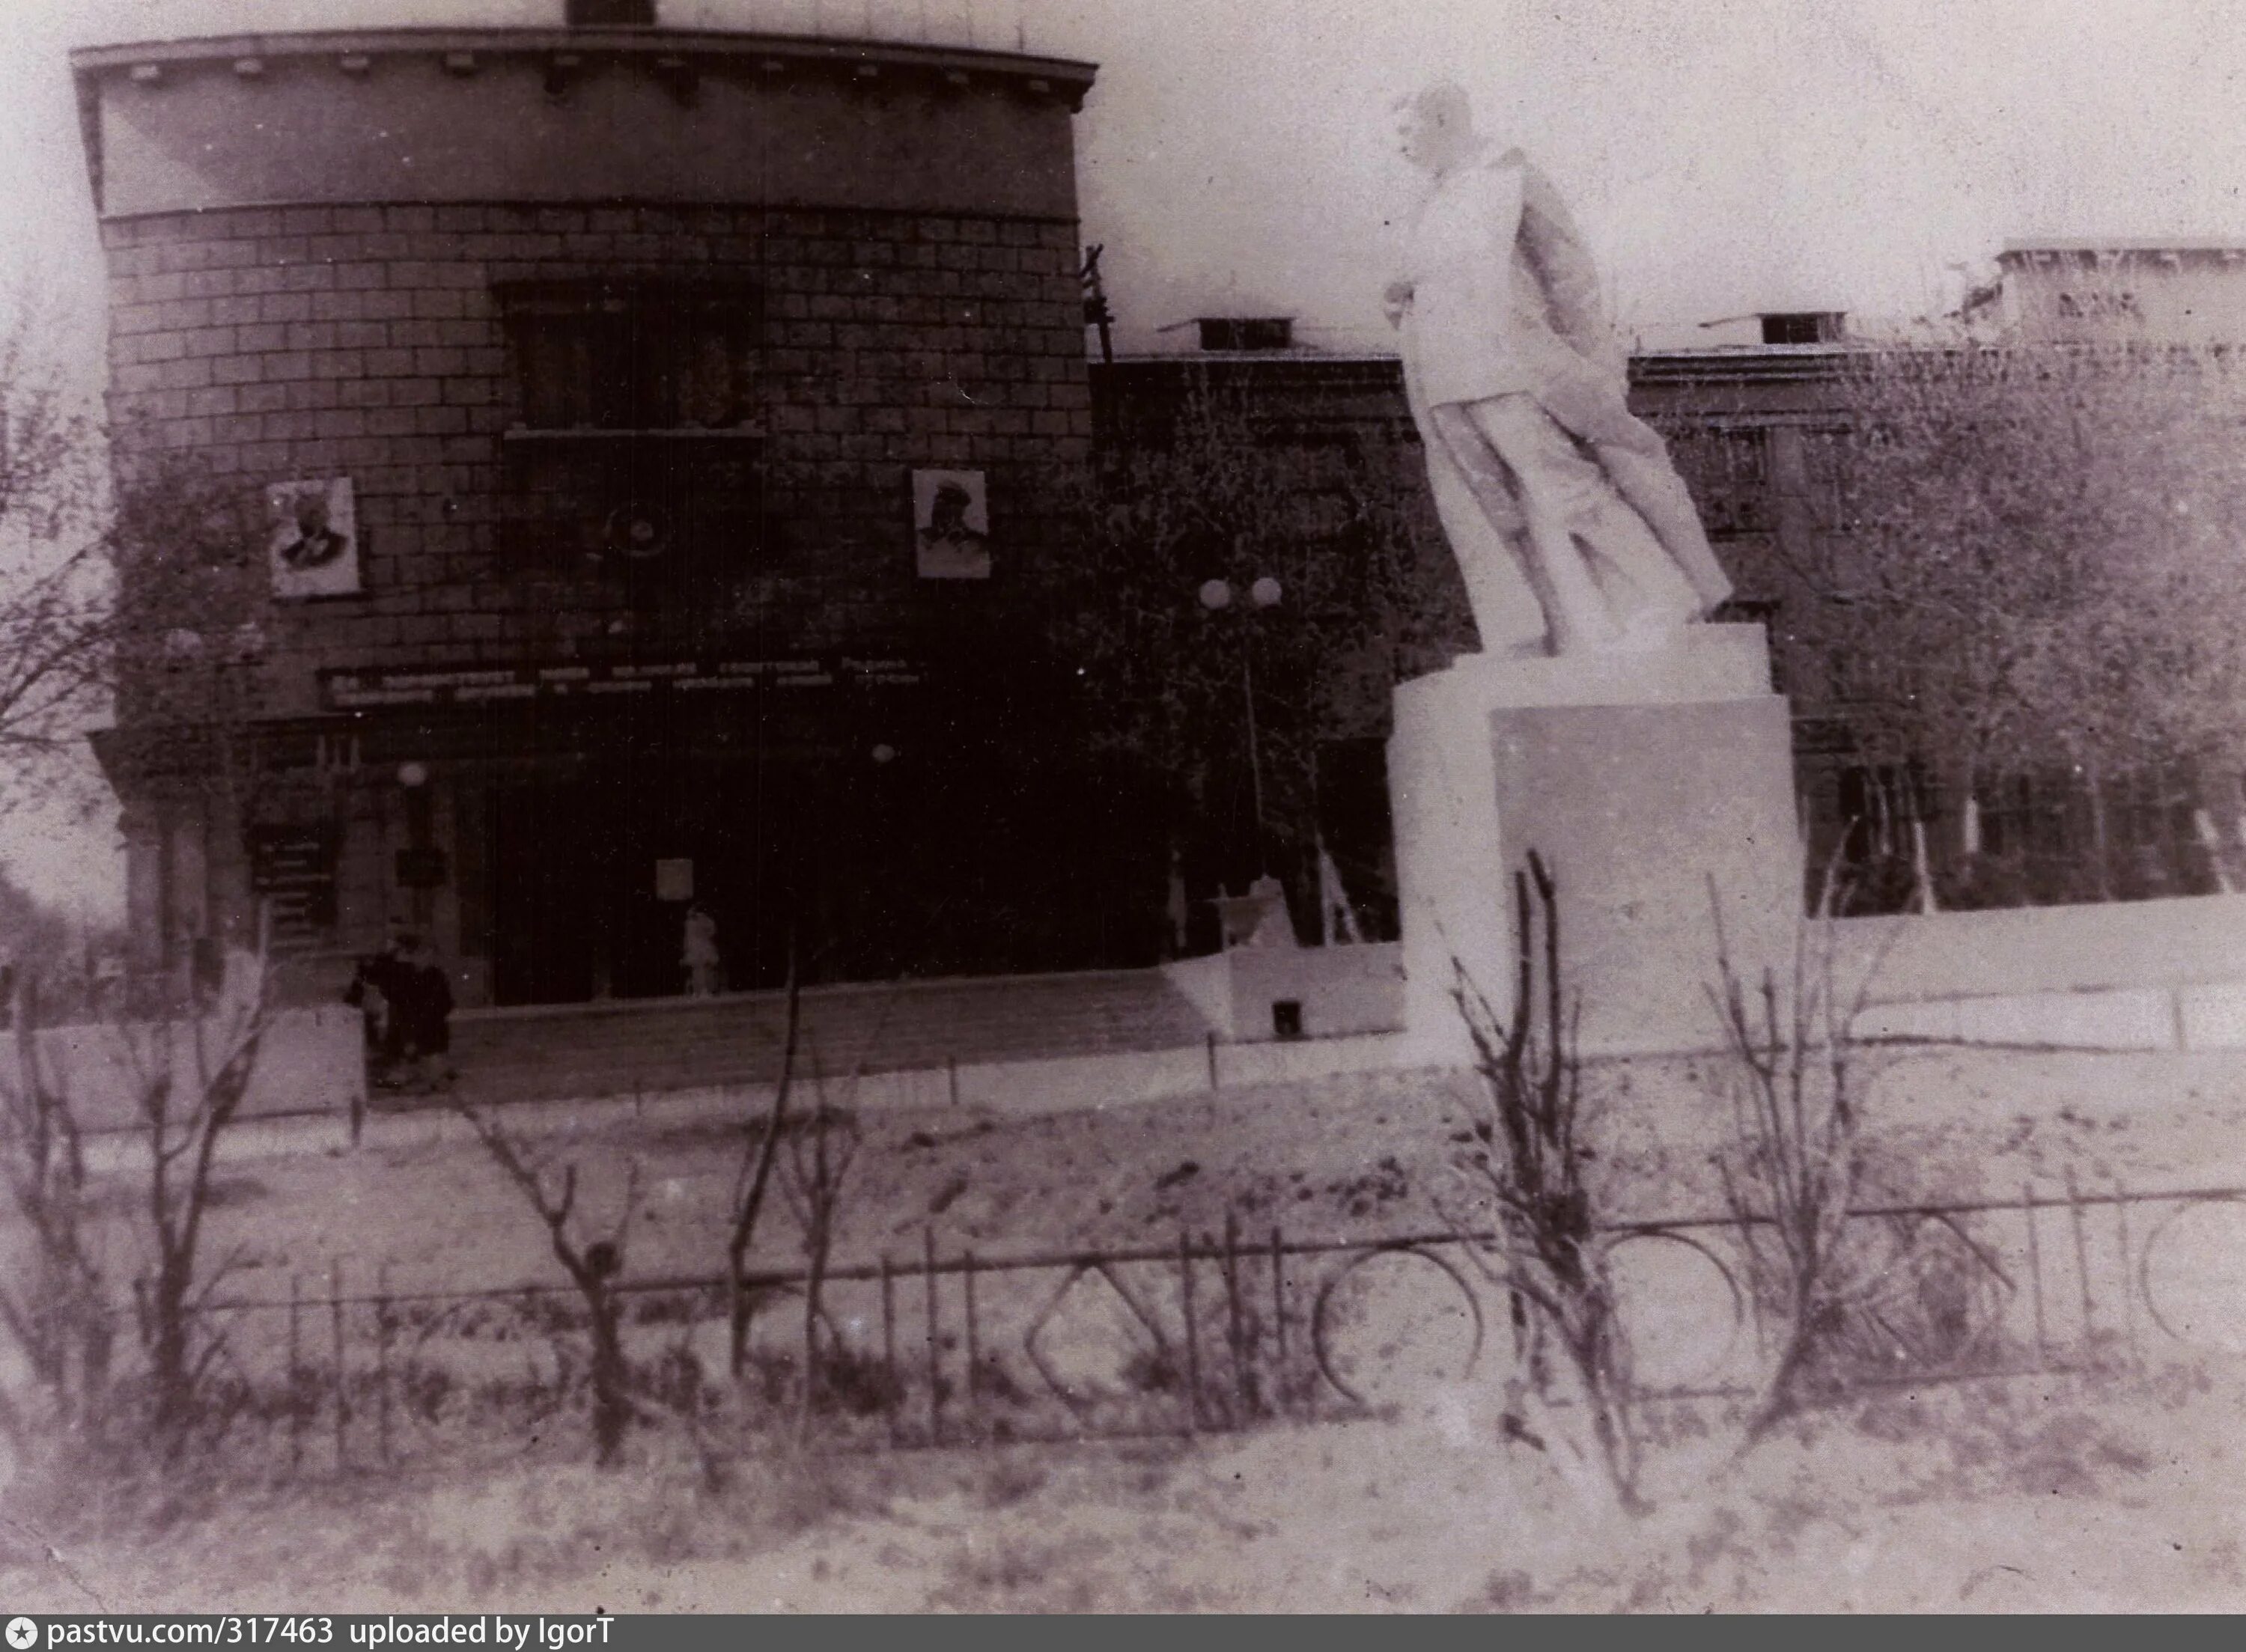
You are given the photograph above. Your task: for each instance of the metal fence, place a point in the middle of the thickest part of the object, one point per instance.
(1217, 1331)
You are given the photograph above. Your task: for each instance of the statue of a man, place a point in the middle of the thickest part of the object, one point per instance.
(1548, 486)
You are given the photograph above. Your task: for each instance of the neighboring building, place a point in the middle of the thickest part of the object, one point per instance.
(1750, 427)
(2107, 292)
(1325, 471)
(671, 439)
(1761, 434)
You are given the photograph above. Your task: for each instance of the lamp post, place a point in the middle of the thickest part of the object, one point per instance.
(1264, 595)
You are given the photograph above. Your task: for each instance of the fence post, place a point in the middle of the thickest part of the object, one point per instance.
(382, 1357)
(1211, 1045)
(2035, 1271)
(342, 1385)
(295, 1375)
(1747, 1266)
(1235, 1321)
(1193, 1333)
(1279, 1381)
(2128, 1277)
(974, 1350)
(891, 1390)
(935, 1356)
(2081, 1263)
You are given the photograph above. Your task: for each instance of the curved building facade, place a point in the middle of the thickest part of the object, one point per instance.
(663, 446)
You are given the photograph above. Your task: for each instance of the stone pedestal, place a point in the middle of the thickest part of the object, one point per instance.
(1646, 781)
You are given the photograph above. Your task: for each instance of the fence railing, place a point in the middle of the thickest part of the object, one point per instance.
(1218, 1330)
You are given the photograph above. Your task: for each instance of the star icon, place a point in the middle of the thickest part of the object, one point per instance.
(23, 1634)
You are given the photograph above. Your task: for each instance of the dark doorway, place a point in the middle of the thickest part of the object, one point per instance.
(593, 876)
(871, 855)
(726, 838)
(544, 915)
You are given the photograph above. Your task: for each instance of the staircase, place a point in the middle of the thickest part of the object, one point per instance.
(648, 1046)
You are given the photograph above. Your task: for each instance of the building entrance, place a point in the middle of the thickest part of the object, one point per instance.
(872, 860)
(593, 874)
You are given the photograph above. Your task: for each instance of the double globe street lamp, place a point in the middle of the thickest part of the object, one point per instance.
(1217, 596)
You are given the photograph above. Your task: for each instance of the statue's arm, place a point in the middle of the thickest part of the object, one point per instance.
(1565, 270)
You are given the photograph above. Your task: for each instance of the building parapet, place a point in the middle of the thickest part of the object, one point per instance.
(614, 114)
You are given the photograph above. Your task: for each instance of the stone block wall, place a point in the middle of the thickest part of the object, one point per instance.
(368, 341)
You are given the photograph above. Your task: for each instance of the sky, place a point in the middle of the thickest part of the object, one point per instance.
(1724, 156)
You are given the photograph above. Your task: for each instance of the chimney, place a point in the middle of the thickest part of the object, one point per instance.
(1804, 326)
(1246, 332)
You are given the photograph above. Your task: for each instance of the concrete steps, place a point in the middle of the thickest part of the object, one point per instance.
(646, 1047)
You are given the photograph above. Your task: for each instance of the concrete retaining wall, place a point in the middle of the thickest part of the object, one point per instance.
(2142, 975)
(311, 1062)
(2149, 975)
(1022, 1089)
(1344, 991)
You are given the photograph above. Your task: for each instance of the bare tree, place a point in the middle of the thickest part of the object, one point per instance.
(1228, 485)
(2026, 584)
(188, 644)
(1796, 1082)
(753, 1181)
(54, 553)
(1529, 1160)
(181, 1053)
(54, 1305)
(190, 1050)
(817, 1163)
(594, 1266)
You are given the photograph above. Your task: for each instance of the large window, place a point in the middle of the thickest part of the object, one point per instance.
(633, 356)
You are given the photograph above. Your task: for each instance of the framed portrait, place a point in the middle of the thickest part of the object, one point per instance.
(951, 525)
(313, 548)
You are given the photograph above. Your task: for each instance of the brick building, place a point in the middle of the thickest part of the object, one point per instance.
(1761, 432)
(667, 443)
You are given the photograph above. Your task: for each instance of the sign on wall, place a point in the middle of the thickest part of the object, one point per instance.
(951, 525)
(358, 689)
(294, 868)
(313, 550)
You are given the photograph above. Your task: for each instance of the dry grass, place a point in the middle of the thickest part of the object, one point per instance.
(1341, 1157)
(2111, 1490)
(2069, 1492)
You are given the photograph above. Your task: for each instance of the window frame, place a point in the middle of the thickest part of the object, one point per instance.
(633, 356)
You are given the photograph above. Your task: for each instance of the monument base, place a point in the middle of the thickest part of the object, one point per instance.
(1655, 785)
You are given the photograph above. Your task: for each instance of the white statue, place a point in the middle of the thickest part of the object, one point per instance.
(1572, 528)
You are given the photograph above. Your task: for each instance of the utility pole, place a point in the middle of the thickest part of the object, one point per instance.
(1096, 311)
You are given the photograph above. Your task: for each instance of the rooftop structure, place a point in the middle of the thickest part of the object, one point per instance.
(2179, 291)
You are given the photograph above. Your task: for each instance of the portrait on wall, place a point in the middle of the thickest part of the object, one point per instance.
(951, 525)
(313, 550)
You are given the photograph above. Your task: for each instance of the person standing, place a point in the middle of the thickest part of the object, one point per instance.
(430, 996)
(379, 990)
(700, 955)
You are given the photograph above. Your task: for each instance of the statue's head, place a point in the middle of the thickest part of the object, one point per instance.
(1434, 127)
